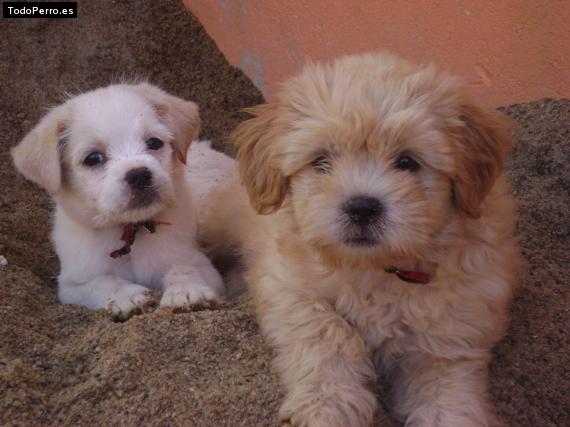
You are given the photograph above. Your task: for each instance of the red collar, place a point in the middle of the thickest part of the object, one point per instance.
(410, 276)
(129, 234)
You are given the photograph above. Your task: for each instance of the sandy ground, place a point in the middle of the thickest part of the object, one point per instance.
(65, 365)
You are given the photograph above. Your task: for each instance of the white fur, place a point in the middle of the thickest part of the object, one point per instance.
(207, 169)
(94, 203)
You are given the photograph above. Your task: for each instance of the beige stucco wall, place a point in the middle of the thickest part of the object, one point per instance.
(508, 51)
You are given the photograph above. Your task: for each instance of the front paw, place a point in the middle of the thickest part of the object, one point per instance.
(127, 300)
(187, 294)
(330, 405)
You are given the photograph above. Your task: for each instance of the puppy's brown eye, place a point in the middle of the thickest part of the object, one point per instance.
(154, 143)
(322, 164)
(94, 158)
(407, 163)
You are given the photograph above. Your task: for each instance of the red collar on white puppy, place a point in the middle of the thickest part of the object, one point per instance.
(129, 234)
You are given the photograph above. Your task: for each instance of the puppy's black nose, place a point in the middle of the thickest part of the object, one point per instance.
(363, 210)
(139, 178)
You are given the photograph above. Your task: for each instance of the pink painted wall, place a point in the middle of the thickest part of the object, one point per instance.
(507, 50)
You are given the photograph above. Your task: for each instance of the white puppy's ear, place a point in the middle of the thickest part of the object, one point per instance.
(483, 144)
(259, 169)
(180, 116)
(37, 156)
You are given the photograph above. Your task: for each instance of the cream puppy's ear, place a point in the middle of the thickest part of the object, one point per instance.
(256, 154)
(483, 145)
(180, 116)
(37, 156)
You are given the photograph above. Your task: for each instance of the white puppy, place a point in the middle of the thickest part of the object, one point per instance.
(113, 161)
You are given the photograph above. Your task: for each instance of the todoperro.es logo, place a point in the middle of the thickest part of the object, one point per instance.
(36, 9)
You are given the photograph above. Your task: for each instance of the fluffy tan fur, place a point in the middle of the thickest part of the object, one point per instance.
(332, 312)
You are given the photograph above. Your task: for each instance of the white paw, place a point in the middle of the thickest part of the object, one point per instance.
(128, 298)
(184, 294)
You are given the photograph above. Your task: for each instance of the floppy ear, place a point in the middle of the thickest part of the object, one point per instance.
(37, 156)
(265, 183)
(180, 116)
(483, 144)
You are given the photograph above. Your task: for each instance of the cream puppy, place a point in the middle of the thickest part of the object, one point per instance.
(378, 235)
(113, 162)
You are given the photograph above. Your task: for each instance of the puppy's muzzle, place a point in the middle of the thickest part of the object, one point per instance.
(141, 183)
(363, 210)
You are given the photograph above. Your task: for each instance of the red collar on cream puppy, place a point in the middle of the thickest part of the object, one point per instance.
(409, 276)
